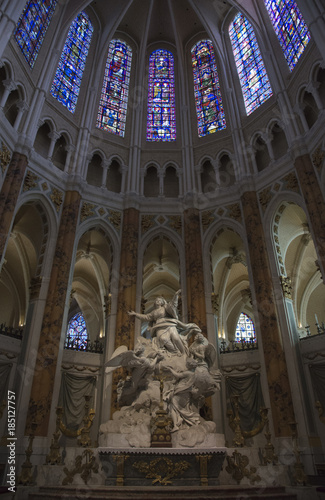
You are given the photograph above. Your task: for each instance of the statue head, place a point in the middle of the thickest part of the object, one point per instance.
(191, 363)
(160, 301)
(139, 349)
(199, 337)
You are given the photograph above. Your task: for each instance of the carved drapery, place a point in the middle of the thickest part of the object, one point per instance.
(276, 367)
(48, 348)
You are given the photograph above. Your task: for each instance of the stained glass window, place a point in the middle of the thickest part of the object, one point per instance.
(208, 100)
(289, 27)
(32, 26)
(245, 329)
(161, 118)
(77, 336)
(114, 97)
(252, 74)
(66, 84)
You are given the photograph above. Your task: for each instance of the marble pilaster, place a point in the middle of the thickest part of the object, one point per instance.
(315, 204)
(127, 288)
(9, 195)
(48, 348)
(274, 356)
(194, 268)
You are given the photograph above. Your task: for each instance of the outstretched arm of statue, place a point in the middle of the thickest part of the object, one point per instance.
(143, 317)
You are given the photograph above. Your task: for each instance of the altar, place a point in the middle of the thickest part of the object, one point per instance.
(162, 466)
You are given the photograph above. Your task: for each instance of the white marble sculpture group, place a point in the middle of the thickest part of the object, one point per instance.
(186, 371)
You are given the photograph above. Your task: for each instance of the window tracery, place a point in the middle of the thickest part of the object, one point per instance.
(290, 28)
(66, 84)
(207, 93)
(115, 91)
(32, 26)
(251, 71)
(161, 115)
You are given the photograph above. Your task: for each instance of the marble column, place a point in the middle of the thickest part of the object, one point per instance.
(48, 348)
(127, 290)
(274, 356)
(194, 269)
(315, 204)
(9, 195)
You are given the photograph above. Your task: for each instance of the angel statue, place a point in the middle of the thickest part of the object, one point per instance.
(207, 378)
(141, 365)
(167, 331)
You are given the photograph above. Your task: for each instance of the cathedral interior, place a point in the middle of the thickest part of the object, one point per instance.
(146, 147)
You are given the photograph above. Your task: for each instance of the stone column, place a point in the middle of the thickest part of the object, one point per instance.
(274, 356)
(9, 196)
(194, 268)
(127, 290)
(48, 348)
(315, 204)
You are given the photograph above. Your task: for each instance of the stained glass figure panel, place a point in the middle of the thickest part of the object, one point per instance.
(245, 329)
(66, 84)
(32, 26)
(290, 28)
(161, 115)
(251, 71)
(114, 96)
(207, 94)
(77, 335)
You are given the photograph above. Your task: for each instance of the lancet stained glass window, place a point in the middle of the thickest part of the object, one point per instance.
(114, 97)
(32, 26)
(77, 335)
(252, 74)
(290, 28)
(245, 328)
(161, 116)
(66, 84)
(208, 100)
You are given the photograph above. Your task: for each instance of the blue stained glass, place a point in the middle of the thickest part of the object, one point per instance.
(161, 115)
(66, 84)
(252, 74)
(208, 100)
(77, 335)
(245, 328)
(114, 97)
(32, 26)
(290, 28)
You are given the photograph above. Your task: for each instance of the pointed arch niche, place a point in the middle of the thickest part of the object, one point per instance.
(161, 271)
(230, 282)
(20, 275)
(297, 264)
(91, 281)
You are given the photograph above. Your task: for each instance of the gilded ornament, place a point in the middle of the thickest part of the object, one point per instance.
(318, 157)
(56, 197)
(291, 182)
(234, 212)
(115, 218)
(30, 181)
(215, 303)
(207, 219)
(26, 476)
(265, 197)
(238, 468)
(45, 186)
(147, 221)
(161, 219)
(87, 210)
(286, 286)
(84, 469)
(102, 211)
(175, 222)
(162, 469)
(5, 156)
